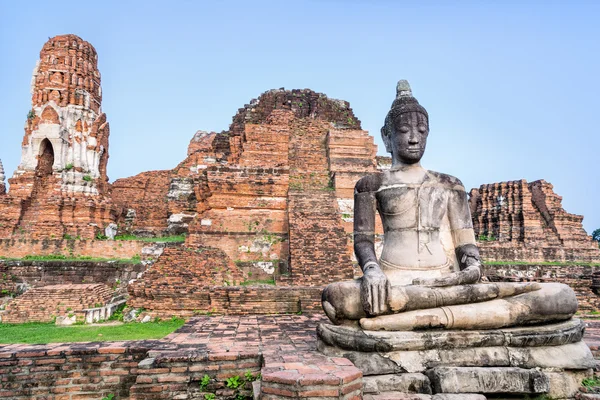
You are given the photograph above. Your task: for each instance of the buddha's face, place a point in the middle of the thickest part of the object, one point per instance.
(409, 138)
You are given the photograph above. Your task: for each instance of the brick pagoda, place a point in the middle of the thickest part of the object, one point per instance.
(60, 186)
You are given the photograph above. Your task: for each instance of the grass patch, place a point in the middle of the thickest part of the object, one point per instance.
(166, 239)
(541, 263)
(59, 257)
(591, 382)
(42, 333)
(258, 282)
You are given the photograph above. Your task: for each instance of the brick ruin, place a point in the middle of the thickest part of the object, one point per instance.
(274, 192)
(60, 186)
(518, 220)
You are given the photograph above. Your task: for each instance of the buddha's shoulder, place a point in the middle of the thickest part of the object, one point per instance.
(369, 183)
(447, 181)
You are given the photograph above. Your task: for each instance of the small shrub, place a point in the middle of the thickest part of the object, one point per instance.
(109, 397)
(87, 178)
(210, 396)
(101, 236)
(69, 167)
(251, 378)
(31, 114)
(204, 382)
(234, 382)
(117, 315)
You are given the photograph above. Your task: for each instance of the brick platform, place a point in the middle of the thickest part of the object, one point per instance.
(282, 348)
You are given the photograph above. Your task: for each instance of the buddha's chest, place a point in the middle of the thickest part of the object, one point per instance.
(404, 206)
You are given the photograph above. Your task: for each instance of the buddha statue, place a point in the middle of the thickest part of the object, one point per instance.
(429, 272)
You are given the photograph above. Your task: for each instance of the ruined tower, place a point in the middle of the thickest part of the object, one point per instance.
(66, 133)
(61, 180)
(520, 220)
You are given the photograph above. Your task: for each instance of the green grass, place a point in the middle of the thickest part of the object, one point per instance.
(591, 382)
(168, 239)
(60, 257)
(258, 282)
(540, 263)
(42, 333)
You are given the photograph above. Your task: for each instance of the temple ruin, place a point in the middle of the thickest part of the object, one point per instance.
(60, 186)
(267, 209)
(521, 221)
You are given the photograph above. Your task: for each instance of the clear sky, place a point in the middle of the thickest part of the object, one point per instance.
(512, 87)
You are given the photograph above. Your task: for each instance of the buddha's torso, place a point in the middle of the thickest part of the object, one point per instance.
(413, 208)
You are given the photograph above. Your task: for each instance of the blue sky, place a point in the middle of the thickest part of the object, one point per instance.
(511, 87)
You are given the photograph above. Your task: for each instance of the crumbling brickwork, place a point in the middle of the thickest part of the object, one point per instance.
(18, 276)
(43, 304)
(267, 192)
(518, 220)
(19, 248)
(60, 185)
(144, 196)
(235, 188)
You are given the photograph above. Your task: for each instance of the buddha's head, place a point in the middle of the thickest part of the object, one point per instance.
(406, 127)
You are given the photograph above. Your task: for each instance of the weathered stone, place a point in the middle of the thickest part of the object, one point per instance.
(397, 396)
(488, 380)
(462, 396)
(351, 338)
(409, 383)
(111, 231)
(570, 356)
(565, 384)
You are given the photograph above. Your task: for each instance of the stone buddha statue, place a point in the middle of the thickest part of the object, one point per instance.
(429, 272)
(420, 319)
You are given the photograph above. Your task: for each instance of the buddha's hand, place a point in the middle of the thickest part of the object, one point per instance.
(374, 290)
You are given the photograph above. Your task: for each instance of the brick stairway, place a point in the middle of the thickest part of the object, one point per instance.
(42, 304)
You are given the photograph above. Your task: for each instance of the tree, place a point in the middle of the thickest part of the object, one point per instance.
(596, 235)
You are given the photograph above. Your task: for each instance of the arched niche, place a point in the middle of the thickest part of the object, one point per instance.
(50, 116)
(45, 159)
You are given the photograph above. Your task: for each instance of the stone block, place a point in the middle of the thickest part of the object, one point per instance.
(409, 383)
(488, 380)
(565, 384)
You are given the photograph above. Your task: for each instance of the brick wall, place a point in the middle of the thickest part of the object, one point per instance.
(44, 304)
(15, 276)
(18, 248)
(70, 371)
(176, 375)
(146, 193)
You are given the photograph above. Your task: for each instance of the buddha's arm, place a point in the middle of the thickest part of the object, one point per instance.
(374, 285)
(463, 236)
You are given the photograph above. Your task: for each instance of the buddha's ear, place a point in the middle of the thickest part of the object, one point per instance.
(386, 133)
